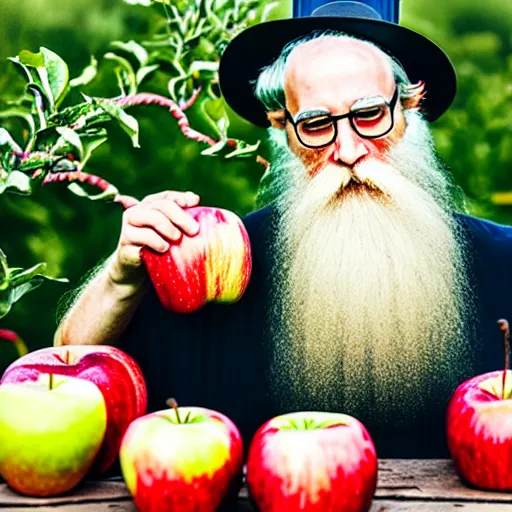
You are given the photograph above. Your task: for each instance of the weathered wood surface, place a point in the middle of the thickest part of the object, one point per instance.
(378, 506)
(429, 479)
(404, 485)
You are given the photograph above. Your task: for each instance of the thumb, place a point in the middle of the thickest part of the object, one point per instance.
(126, 201)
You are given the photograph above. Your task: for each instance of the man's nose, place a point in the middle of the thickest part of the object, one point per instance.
(349, 146)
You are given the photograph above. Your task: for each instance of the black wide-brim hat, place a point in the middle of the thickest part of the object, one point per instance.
(259, 45)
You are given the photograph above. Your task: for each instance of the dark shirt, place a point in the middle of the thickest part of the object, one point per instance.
(215, 357)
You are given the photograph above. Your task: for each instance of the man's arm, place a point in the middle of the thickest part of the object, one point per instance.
(106, 304)
(102, 310)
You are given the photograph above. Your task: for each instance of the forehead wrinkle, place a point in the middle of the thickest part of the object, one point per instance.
(334, 72)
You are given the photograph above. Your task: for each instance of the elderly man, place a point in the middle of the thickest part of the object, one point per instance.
(372, 293)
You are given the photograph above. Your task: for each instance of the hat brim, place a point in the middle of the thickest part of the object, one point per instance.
(259, 45)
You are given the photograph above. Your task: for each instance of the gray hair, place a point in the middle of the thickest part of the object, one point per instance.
(269, 86)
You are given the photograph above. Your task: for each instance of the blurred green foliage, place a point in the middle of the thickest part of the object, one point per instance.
(72, 234)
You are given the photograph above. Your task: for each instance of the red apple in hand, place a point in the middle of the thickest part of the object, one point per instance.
(479, 427)
(213, 266)
(314, 462)
(116, 374)
(181, 459)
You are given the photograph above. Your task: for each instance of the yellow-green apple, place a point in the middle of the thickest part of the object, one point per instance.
(181, 459)
(479, 427)
(116, 374)
(213, 266)
(51, 429)
(314, 462)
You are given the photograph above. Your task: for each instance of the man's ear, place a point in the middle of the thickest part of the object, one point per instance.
(412, 95)
(277, 119)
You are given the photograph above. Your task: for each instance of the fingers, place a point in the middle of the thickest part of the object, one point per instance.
(183, 199)
(154, 219)
(126, 201)
(165, 217)
(138, 237)
(154, 222)
(178, 216)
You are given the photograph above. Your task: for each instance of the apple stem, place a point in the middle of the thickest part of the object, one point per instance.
(67, 356)
(51, 381)
(171, 402)
(503, 325)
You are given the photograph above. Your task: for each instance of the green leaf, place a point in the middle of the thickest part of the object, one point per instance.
(18, 291)
(214, 112)
(16, 182)
(24, 69)
(91, 141)
(105, 195)
(17, 282)
(7, 143)
(52, 71)
(215, 149)
(176, 87)
(133, 48)
(23, 113)
(88, 74)
(34, 60)
(71, 137)
(51, 142)
(243, 150)
(17, 276)
(57, 73)
(3, 267)
(197, 31)
(144, 71)
(41, 103)
(127, 72)
(77, 114)
(37, 160)
(13, 294)
(202, 65)
(128, 123)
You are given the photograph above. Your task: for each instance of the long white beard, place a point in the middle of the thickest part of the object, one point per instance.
(370, 286)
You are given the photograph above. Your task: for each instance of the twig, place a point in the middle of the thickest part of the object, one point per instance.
(91, 179)
(174, 109)
(187, 104)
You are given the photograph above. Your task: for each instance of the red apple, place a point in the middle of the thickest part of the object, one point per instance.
(213, 266)
(479, 427)
(314, 462)
(181, 459)
(116, 374)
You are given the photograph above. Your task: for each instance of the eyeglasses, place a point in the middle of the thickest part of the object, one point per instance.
(370, 118)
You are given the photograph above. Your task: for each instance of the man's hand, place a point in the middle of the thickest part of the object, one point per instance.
(154, 221)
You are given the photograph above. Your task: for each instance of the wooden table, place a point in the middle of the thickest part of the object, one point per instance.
(404, 485)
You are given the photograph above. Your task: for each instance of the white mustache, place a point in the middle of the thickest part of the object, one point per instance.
(369, 174)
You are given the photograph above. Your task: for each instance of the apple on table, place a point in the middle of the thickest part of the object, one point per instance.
(213, 266)
(115, 373)
(313, 462)
(479, 426)
(181, 459)
(51, 430)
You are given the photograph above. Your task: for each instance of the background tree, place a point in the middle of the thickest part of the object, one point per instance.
(72, 235)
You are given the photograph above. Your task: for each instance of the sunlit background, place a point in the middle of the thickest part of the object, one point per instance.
(73, 234)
